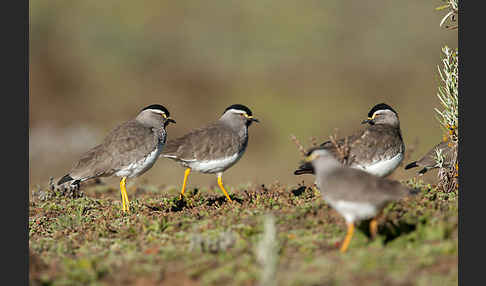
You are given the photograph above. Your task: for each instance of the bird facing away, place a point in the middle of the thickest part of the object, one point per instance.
(127, 151)
(214, 148)
(429, 160)
(353, 193)
(377, 149)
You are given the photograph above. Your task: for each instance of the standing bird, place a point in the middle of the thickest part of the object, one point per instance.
(214, 148)
(127, 151)
(377, 149)
(430, 160)
(353, 193)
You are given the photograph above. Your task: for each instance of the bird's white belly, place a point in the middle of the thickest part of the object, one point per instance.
(213, 166)
(137, 168)
(354, 211)
(382, 168)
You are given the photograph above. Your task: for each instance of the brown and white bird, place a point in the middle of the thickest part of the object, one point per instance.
(353, 193)
(127, 151)
(430, 159)
(214, 148)
(377, 149)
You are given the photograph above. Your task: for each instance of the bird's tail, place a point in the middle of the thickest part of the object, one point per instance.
(411, 165)
(423, 171)
(305, 168)
(66, 178)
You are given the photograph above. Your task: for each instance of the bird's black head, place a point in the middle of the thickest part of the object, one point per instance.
(242, 112)
(382, 114)
(157, 107)
(312, 149)
(240, 107)
(380, 106)
(316, 152)
(155, 114)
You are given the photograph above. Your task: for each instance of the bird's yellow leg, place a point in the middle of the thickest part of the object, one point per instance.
(220, 184)
(123, 189)
(347, 240)
(126, 200)
(373, 227)
(186, 174)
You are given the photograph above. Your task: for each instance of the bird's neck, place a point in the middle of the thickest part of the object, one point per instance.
(237, 127)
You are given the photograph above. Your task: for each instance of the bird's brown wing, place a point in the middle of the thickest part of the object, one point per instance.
(346, 149)
(429, 159)
(365, 146)
(208, 143)
(90, 164)
(125, 144)
(374, 143)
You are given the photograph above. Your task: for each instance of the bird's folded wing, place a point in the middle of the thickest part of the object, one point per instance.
(125, 144)
(209, 143)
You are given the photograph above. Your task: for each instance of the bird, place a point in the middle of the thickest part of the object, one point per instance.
(215, 147)
(430, 159)
(355, 194)
(128, 151)
(378, 148)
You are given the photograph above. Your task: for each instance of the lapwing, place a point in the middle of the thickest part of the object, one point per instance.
(378, 148)
(127, 151)
(214, 148)
(355, 194)
(430, 159)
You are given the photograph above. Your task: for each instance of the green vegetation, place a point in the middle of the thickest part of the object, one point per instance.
(206, 241)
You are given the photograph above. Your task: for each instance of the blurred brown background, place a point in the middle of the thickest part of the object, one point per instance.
(303, 67)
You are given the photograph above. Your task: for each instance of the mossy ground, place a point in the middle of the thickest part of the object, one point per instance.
(204, 240)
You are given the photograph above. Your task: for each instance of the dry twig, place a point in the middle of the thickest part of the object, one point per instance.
(343, 150)
(299, 146)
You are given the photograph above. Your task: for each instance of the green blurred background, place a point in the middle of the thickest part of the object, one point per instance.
(303, 67)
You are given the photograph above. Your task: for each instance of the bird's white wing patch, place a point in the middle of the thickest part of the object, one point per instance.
(139, 167)
(382, 168)
(169, 156)
(213, 166)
